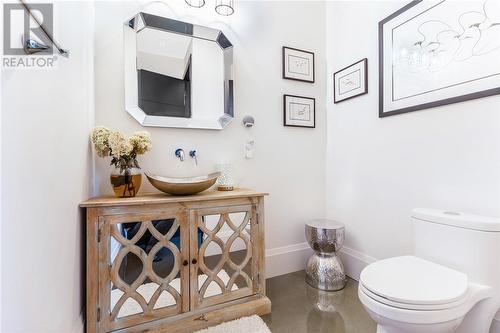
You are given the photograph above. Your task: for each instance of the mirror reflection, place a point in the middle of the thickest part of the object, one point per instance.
(224, 251)
(145, 261)
(177, 74)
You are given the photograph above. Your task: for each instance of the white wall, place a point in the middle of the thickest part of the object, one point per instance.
(379, 169)
(289, 163)
(46, 170)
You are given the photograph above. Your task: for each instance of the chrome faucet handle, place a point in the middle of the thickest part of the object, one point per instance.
(179, 153)
(194, 155)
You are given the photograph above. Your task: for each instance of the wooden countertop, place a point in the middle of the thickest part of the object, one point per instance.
(159, 198)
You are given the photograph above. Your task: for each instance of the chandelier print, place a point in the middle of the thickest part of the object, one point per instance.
(437, 43)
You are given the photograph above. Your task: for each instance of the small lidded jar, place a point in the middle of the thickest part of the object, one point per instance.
(225, 182)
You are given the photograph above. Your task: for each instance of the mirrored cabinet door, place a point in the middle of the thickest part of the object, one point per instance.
(223, 252)
(144, 268)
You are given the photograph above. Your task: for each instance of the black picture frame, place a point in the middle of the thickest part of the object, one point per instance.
(445, 101)
(285, 122)
(284, 71)
(365, 78)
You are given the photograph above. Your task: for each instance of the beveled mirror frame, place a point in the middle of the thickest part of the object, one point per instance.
(144, 20)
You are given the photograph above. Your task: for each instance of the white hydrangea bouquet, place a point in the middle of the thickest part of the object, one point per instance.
(126, 178)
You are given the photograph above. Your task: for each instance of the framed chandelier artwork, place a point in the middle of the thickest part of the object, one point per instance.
(434, 53)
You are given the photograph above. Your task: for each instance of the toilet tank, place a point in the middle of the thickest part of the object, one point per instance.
(466, 242)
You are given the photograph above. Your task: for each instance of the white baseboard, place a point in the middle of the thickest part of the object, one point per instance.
(79, 326)
(292, 258)
(495, 326)
(287, 259)
(354, 262)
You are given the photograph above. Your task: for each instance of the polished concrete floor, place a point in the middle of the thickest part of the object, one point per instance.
(296, 308)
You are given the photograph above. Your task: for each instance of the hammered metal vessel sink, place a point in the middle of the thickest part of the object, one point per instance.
(183, 186)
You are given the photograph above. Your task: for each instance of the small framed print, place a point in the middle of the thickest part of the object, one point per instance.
(298, 65)
(299, 111)
(351, 81)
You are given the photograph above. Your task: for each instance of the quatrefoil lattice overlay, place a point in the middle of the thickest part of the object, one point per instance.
(238, 231)
(147, 273)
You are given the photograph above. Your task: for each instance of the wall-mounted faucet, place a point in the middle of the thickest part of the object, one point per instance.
(179, 153)
(194, 155)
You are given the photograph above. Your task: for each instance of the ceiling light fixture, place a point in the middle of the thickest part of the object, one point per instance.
(196, 3)
(224, 7)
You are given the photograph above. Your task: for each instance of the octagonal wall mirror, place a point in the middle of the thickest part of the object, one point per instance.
(177, 74)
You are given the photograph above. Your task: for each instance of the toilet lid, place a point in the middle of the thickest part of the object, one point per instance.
(411, 280)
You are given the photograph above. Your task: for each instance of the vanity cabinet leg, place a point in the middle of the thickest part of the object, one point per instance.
(92, 270)
(262, 246)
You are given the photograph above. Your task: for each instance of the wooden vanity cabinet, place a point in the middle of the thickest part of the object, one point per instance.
(158, 263)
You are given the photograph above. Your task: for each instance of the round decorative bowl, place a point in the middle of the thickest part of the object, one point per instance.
(183, 186)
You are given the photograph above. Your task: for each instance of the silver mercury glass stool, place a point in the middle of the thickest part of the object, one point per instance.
(324, 269)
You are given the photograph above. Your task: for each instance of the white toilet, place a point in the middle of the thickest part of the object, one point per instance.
(451, 284)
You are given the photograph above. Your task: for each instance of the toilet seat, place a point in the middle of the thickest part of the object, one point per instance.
(411, 290)
(413, 283)
(410, 306)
